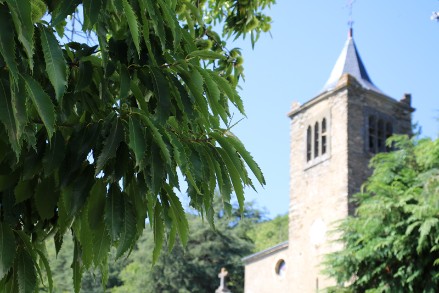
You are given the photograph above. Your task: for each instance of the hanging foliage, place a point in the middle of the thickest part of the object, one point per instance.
(105, 106)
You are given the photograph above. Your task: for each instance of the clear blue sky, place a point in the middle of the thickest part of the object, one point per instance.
(398, 44)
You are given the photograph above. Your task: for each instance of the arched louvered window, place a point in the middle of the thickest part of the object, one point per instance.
(316, 139)
(308, 144)
(324, 136)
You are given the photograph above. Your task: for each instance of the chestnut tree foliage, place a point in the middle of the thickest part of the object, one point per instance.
(96, 137)
(392, 243)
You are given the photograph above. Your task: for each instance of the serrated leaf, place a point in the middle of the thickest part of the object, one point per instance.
(207, 55)
(7, 41)
(77, 266)
(128, 232)
(18, 101)
(111, 144)
(42, 104)
(56, 67)
(124, 81)
(22, 16)
(213, 95)
(161, 88)
(7, 249)
(26, 273)
(96, 204)
(62, 10)
(85, 75)
(23, 190)
(228, 90)
(7, 117)
(132, 23)
(234, 176)
(194, 82)
(45, 262)
(159, 232)
(101, 245)
(157, 21)
(54, 155)
(92, 9)
(178, 215)
(137, 140)
(114, 212)
(156, 136)
(170, 19)
(46, 198)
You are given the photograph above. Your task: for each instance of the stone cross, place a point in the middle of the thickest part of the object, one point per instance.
(222, 276)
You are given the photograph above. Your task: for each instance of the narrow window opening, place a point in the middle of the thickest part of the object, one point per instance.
(380, 136)
(324, 141)
(308, 144)
(372, 134)
(389, 132)
(316, 140)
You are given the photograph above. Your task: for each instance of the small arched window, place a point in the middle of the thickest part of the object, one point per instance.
(324, 137)
(308, 144)
(316, 139)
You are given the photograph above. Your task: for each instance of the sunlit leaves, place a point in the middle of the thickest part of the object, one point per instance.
(55, 63)
(95, 137)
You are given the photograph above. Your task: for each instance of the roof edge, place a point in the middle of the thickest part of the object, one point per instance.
(266, 252)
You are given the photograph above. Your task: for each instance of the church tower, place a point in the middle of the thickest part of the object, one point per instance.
(333, 137)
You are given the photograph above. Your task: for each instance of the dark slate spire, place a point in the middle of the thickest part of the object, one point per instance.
(350, 62)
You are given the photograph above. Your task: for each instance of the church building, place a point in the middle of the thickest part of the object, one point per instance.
(333, 137)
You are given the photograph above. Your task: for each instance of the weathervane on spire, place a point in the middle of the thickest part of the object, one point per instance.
(350, 5)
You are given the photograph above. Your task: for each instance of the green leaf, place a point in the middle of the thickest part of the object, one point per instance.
(96, 204)
(46, 198)
(151, 9)
(132, 23)
(101, 245)
(54, 155)
(77, 266)
(44, 260)
(234, 176)
(137, 140)
(85, 76)
(213, 94)
(124, 81)
(128, 232)
(111, 144)
(56, 67)
(194, 81)
(23, 191)
(26, 273)
(7, 249)
(7, 117)
(159, 231)
(92, 8)
(22, 16)
(62, 10)
(114, 212)
(156, 135)
(161, 88)
(7, 41)
(178, 215)
(207, 55)
(42, 104)
(228, 90)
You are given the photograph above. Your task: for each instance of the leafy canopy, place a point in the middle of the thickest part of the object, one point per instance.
(392, 243)
(93, 137)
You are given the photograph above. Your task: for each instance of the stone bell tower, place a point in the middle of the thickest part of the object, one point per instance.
(333, 137)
